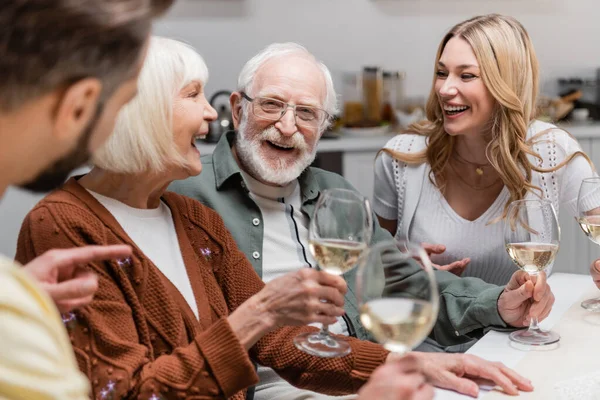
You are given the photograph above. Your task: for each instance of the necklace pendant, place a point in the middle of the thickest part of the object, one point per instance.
(479, 171)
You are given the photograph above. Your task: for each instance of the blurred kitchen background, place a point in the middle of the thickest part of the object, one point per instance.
(393, 34)
(381, 55)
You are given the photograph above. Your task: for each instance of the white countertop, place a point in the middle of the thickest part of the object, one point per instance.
(374, 143)
(495, 346)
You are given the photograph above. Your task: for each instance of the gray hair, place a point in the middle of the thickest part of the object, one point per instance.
(142, 139)
(275, 50)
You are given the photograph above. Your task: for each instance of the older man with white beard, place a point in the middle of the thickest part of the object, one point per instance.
(260, 181)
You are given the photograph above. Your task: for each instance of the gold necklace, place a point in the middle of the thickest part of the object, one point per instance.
(478, 167)
(470, 185)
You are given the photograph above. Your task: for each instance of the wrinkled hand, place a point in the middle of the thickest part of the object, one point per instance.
(457, 267)
(595, 272)
(515, 303)
(456, 371)
(61, 274)
(303, 297)
(397, 379)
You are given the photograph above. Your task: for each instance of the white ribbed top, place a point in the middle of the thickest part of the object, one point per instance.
(437, 223)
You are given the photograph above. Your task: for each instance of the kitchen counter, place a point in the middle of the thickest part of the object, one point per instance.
(583, 130)
(341, 144)
(374, 143)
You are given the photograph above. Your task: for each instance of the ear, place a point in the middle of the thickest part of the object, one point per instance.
(235, 102)
(76, 107)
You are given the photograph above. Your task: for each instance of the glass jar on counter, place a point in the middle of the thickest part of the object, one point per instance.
(372, 79)
(393, 95)
(352, 98)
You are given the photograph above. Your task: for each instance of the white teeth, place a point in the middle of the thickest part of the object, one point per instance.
(455, 108)
(282, 146)
(197, 137)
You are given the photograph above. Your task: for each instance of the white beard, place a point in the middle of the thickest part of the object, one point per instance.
(249, 154)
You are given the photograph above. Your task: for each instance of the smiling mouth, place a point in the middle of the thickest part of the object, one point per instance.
(455, 110)
(280, 147)
(197, 137)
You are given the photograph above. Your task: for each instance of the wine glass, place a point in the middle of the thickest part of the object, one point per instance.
(588, 209)
(398, 302)
(339, 231)
(532, 236)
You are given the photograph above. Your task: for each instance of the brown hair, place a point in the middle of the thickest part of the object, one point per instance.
(49, 44)
(509, 69)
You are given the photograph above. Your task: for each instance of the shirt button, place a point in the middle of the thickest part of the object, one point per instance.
(256, 255)
(256, 222)
(456, 333)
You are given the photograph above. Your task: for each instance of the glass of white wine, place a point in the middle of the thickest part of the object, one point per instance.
(588, 209)
(397, 294)
(532, 236)
(339, 231)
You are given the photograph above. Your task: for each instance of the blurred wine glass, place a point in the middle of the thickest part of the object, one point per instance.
(588, 209)
(397, 306)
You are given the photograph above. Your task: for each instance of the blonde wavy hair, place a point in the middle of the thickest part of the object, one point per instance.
(509, 69)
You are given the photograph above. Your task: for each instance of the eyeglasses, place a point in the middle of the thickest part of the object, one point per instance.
(274, 110)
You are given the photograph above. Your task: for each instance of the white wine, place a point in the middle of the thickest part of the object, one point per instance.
(399, 324)
(591, 227)
(532, 257)
(336, 256)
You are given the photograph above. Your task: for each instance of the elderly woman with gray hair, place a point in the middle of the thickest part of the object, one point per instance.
(184, 316)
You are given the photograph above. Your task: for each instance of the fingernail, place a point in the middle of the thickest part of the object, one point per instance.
(89, 284)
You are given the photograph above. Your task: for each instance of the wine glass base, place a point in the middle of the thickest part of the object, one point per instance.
(535, 337)
(320, 345)
(591, 304)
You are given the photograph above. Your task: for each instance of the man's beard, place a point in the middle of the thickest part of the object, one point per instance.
(249, 154)
(56, 174)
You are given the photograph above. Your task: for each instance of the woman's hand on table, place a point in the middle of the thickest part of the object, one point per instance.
(456, 267)
(515, 304)
(399, 378)
(457, 371)
(595, 272)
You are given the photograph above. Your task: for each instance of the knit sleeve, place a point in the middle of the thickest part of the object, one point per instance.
(574, 173)
(344, 375)
(110, 335)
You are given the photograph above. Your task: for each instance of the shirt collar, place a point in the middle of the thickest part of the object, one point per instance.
(224, 163)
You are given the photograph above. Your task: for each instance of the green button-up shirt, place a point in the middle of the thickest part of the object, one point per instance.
(467, 305)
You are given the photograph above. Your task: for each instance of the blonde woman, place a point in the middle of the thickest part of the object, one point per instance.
(448, 180)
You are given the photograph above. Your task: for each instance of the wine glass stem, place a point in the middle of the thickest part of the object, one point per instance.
(324, 330)
(533, 324)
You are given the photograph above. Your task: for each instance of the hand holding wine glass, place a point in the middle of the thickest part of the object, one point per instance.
(588, 208)
(532, 237)
(398, 308)
(339, 231)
